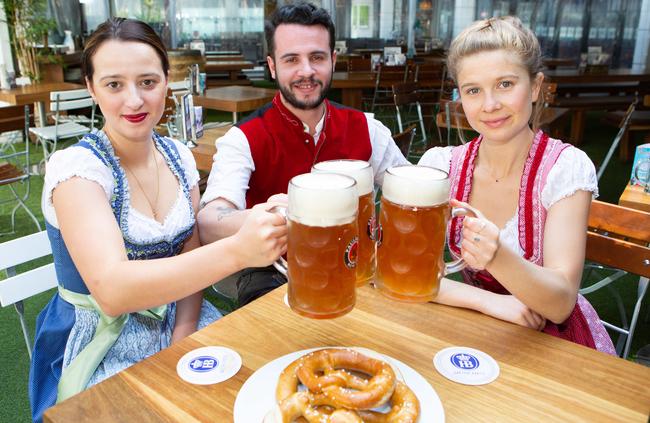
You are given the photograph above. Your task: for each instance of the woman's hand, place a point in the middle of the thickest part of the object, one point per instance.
(480, 238)
(510, 309)
(263, 236)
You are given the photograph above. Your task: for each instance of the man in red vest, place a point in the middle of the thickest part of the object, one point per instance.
(260, 154)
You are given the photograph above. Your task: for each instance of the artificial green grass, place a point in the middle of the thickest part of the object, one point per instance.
(14, 362)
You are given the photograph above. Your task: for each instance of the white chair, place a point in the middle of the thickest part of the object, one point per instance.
(64, 101)
(18, 287)
(618, 242)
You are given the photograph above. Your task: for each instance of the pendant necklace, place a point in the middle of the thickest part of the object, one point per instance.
(137, 181)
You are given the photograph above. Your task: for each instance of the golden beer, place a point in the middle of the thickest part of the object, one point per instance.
(362, 172)
(410, 256)
(323, 244)
(412, 229)
(322, 270)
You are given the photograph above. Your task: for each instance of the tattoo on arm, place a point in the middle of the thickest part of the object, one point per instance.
(224, 212)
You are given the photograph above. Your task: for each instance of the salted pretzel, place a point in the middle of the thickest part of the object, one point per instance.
(405, 408)
(333, 385)
(303, 404)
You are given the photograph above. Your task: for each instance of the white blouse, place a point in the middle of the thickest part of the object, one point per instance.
(572, 172)
(81, 162)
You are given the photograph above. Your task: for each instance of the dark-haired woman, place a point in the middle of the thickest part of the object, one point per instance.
(120, 212)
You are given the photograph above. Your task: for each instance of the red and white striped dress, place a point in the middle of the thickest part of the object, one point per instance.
(553, 170)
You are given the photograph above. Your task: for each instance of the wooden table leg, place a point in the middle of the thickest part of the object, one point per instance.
(577, 126)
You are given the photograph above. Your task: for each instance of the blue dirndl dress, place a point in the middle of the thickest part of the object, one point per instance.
(63, 330)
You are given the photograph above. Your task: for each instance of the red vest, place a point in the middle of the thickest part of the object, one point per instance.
(281, 149)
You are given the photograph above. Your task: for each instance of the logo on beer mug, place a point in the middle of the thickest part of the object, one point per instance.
(351, 253)
(361, 172)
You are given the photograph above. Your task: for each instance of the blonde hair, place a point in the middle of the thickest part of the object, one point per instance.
(502, 33)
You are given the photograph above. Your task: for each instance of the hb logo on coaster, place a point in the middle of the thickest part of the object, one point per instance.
(464, 361)
(204, 363)
(351, 253)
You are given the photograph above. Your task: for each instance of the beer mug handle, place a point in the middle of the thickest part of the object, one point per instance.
(281, 264)
(457, 265)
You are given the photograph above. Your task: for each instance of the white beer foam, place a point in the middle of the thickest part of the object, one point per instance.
(418, 186)
(323, 199)
(360, 170)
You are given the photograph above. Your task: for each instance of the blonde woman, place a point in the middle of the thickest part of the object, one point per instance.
(526, 249)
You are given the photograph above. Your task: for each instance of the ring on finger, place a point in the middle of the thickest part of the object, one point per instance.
(477, 239)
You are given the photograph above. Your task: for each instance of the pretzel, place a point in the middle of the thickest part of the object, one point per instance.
(405, 408)
(333, 385)
(303, 404)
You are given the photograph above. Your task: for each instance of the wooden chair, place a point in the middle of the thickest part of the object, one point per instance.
(18, 287)
(452, 117)
(618, 240)
(404, 140)
(638, 121)
(386, 77)
(551, 118)
(14, 164)
(406, 95)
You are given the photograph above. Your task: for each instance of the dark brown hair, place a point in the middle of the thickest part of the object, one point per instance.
(122, 29)
(301, 13)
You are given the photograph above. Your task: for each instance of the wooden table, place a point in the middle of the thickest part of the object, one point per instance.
(234, 99)
(542, 378)
(38, 93)
(576, 89)
(634, 198)
(205, 150)
(232, 67)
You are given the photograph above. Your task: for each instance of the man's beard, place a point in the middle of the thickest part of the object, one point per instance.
(305, 105)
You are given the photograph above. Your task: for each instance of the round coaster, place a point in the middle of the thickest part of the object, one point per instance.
(208, 365)
(466, 365)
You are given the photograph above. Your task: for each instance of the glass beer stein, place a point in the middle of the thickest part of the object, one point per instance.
(412, 229)
(361, 171)
(322, 245)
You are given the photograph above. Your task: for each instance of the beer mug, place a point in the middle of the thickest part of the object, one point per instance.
(361, 171)
(412, 228)
(322, 244)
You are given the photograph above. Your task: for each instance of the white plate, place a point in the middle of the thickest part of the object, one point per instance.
(257, 395)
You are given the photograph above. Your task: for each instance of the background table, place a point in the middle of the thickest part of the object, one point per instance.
(206, 149)
(634, 198)
(37, 93)
(542, 378)
(234, 99)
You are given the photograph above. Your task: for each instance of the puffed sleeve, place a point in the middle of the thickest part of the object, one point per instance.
(438, 157)
(188, 162)
(573, 171)
(73, 162)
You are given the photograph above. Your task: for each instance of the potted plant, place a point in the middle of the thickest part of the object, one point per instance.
(28, 26)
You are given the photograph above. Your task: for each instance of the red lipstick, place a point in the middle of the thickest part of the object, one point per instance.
(135, 118)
